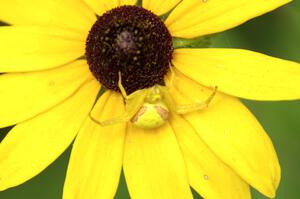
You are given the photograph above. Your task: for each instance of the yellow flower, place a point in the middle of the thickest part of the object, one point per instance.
(47, 91)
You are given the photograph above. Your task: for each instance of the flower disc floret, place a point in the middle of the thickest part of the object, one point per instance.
(133, 41)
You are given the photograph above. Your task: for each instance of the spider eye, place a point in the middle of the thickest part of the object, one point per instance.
(151, 116)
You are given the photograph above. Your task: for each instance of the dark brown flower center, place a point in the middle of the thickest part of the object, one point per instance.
(133, 41)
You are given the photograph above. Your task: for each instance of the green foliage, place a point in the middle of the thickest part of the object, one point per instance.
(4, 132)
(139, 3)
(199, 42)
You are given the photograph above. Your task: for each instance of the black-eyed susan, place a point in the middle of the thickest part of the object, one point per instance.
(175, 130)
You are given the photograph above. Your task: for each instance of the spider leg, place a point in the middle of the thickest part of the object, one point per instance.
(133, 103)
(121, 87)
(120, 119)
(186, 108)
(172, 78)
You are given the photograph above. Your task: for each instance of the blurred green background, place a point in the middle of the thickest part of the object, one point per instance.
(276, 34)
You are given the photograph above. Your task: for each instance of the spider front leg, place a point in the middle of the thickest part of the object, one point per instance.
(121, 87)
(187, 108)
(133, 103)
(112, 121)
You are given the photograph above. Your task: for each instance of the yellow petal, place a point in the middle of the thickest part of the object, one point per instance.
(194, 18)
(160, 7)
(35, 48)
(72, 14)
(101, 6)
(208, 175)
(97, 154)
(233, 134)
(153, 164)
(241, 73)
(24, 95)
(31, 146)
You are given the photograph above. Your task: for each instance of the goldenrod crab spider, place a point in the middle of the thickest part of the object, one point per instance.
(150, 108)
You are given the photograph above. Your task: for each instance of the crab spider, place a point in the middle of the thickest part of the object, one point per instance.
(150, 108)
